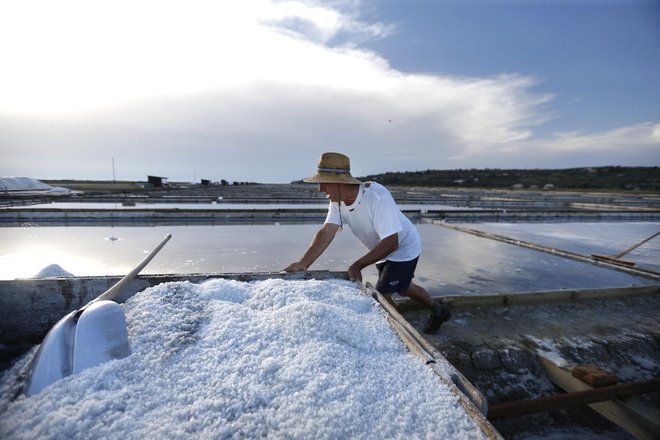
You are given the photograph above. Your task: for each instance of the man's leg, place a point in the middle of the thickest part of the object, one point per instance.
(393, 274)
(439, 314)
(420, 295)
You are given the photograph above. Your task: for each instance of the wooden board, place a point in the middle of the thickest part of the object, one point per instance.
(639, 422)
(507, 299)
(469, 396)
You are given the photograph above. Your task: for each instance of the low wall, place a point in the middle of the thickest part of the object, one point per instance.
(525, 216)
(129, 217)
(17, 217)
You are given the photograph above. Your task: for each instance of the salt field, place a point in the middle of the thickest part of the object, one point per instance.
(322, 204)
(137, 205)
(227, 359)
(452, 262)
(490, 177)
(302, 359)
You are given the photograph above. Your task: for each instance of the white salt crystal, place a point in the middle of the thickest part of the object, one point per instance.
(226, 359)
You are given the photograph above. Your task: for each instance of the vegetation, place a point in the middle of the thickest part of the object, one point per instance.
(608, 177)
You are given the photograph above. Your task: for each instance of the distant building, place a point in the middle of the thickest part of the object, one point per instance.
(518, 186)
(157, 181)
(548, 186)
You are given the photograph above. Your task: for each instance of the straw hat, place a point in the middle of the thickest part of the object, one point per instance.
(333, 168)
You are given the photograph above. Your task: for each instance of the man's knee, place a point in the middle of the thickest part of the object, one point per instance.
(412, 290)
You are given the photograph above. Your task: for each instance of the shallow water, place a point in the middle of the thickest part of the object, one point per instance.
(607, 239)
(452, 262)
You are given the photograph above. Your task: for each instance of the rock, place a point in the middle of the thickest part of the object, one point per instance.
(486, 360)
(517, 361)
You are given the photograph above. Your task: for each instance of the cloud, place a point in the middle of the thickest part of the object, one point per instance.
(322, 24)
(635, 145)
(638, 135)
(77, 55)
(252, 90)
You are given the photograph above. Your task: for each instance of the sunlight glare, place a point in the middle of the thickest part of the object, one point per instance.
(28, 263)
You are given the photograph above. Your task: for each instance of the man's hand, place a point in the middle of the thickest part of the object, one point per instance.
(295, 267)
(384, 247)
(355, 272)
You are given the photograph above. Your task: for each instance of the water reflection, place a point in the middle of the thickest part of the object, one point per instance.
(588, 238)
(452, 262)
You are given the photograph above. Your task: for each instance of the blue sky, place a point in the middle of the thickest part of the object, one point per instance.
(601, 59)
(256, 90)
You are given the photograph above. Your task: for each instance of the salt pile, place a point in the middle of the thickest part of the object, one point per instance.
(53, 271)
(229, 359)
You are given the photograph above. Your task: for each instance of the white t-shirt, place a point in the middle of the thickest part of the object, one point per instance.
(373, 216)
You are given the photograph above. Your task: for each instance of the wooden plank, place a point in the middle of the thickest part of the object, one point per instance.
(624, 415)
(410, 342)
(606, 207)
(613, 260)
(572, 399)
(469, 397)
(505, 299)
(464, 301)
(475, 396)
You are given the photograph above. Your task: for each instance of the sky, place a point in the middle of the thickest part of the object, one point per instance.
(256, 90)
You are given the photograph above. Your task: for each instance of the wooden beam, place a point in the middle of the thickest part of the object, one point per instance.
(576, 398)
(468, 396)
(613, 260)
(507, 299)
(631, 419)
(460, 381)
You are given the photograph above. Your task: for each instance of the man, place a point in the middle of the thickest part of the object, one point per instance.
(372, 214)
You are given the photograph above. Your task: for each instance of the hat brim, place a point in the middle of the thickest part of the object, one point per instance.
(323, 177)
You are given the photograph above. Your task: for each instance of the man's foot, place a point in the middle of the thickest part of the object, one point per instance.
(435, 321)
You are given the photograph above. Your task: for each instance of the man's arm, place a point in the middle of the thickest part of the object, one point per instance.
(385, 247)
(320, 243)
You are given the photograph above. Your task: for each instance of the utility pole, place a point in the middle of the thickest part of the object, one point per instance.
(113, 170)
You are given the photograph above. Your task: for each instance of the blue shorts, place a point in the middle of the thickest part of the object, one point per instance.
(395, 276)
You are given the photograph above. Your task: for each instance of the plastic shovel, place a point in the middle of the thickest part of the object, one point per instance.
(86, 337)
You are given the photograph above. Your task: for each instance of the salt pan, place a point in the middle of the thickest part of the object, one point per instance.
(228, 359)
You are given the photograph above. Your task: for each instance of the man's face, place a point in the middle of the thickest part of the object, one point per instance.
(331, 190)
